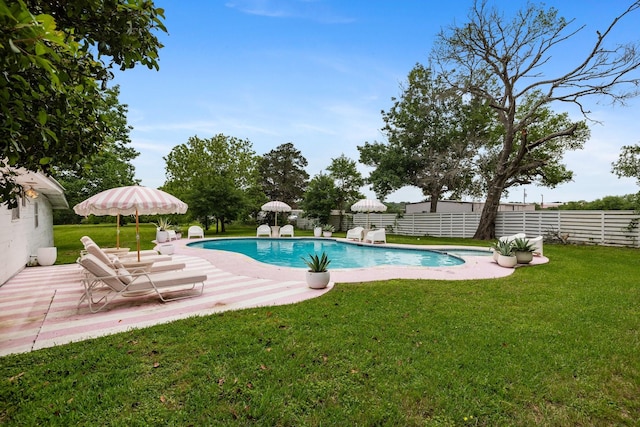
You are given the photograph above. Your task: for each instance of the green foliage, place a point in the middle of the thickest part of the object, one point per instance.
(520, 244)
(282, 174)
(111, 167)
(628, 164)
(216, 177)
(328, 227)
(319, 199)
(433, 137)
(348, 182)
(504, 247)
(317, 264)
(164, 224)
(54, 59)
(608, 203)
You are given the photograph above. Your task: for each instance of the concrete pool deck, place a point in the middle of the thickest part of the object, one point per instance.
(38, 306)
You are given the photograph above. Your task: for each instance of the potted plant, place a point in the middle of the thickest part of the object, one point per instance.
(506, 256)
(317, 229)
(317, 275)
(163, 225)
(523, 250)
(327, 230)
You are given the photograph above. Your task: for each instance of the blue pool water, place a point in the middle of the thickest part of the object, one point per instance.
(288, 253)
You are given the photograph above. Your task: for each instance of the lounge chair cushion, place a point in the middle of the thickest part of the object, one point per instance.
(124, 275)
(99, 269)
(166, 279)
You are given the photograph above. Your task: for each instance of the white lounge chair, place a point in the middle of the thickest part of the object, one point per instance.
(195, 231)
(356, 233)
(172, 235)
(286, 230)
(537, 242)
(378, 235)
(263, 230)
(150, 264)
(118, 251)
(102, 284)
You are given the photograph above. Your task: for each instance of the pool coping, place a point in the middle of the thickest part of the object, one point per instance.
(475, 267)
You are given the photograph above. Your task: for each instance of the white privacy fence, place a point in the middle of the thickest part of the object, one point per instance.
(620, 228)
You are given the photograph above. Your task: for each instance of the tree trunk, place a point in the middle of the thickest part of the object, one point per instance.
(433, 207)
(487, 227)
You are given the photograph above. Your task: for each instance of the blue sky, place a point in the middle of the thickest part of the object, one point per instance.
(317, 73)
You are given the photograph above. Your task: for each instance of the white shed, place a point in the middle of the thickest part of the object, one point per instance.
(28, 227)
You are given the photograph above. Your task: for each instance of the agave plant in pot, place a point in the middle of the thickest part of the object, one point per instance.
(162, 227)
(327, 230)
(523, 250)
(506, 256)
(318, 275)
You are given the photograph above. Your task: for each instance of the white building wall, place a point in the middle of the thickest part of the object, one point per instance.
(21, 238)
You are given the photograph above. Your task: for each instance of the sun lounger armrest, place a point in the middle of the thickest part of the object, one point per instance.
(137, 267)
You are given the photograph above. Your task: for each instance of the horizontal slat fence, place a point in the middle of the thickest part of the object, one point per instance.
(619, 228)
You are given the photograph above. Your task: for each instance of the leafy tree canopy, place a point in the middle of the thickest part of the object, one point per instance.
(347, 180)
(628, 164)
(56, 59)
(433, 136)
(319, 199)
(109, 168)
(216, 176)
(283, 176)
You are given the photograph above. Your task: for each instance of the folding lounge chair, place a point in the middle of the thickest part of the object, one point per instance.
(102, 284)
(195, 231)
(149, 264)
(263, 230)
(356, 233)
(118, 251)
(537, 242)
(378, 235)
(286, 230)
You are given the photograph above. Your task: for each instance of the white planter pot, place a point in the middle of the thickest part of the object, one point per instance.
(47, 256)
(524, 257)
(318, 280)
(326, 233)
(507, 261)
(317, 232)
(162, 236)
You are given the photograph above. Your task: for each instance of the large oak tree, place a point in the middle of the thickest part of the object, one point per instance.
(504, 61)
(433, 137)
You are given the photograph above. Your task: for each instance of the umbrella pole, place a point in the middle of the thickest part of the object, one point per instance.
(276, 218)
(138, 234)
(118, 231)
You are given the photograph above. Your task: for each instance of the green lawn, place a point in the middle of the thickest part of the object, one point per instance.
(550, 345)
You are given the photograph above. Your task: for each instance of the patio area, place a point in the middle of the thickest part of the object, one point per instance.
(39, 306)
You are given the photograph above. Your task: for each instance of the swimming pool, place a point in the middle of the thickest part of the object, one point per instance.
(288, 253)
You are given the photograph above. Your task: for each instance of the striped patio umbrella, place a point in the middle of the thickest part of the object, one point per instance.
(132, 200)
(368, 206)
(276, 206)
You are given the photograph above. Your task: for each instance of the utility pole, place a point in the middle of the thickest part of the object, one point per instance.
(524, 196)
